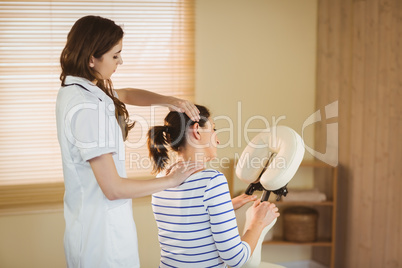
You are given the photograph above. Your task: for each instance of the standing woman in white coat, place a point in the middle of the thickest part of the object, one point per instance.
(92, 124)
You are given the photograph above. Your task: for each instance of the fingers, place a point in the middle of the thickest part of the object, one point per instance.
(194, 168)
(191, 111)
(264, 212)
(256, 203)
(182, 170)
(273, 209)
(250, 197)
(271, 206)
(188, 167)
(242, 199)
(268, 207)
(172, 167)
(187, 107)
(247, 198)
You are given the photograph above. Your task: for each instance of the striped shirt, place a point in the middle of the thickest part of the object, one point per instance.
(197, 224)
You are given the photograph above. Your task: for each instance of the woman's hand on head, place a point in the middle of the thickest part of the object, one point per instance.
(180, 171)
(184, 106)
(263, 213)
(242, 199)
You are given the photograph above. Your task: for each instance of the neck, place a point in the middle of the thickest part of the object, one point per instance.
(192, 154)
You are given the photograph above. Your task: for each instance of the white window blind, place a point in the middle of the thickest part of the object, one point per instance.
(157, 52)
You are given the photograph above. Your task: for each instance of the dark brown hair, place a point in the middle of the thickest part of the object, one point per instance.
(171, 135)
(93, 36)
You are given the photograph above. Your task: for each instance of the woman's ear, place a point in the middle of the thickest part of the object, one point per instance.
(195, 131)
(92, 62)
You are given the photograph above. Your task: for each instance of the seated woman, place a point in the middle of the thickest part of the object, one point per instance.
(196, 221)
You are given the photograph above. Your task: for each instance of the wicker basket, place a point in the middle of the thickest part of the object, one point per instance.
(300, 224)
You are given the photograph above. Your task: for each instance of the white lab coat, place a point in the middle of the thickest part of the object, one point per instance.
(99, 232)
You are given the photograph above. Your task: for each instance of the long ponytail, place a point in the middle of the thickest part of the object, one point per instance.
(158, 147)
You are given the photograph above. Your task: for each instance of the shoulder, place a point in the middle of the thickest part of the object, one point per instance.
(207, 177)
(203, 176)
(74, 94)
(208, 173)
(73, 100)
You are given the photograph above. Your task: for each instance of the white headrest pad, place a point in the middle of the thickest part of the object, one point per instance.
(280, 140)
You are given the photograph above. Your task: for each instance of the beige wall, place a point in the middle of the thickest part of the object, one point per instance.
(257, 54)
(32, 240)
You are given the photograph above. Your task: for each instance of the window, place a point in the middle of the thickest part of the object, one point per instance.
(158, 55)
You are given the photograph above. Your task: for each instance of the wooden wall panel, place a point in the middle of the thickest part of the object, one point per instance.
(359, 63)
(382, 163)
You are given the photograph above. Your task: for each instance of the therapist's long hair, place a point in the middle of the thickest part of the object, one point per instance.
(93, 36)
(172, 135)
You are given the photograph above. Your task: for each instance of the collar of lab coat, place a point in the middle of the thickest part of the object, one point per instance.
(91, 87)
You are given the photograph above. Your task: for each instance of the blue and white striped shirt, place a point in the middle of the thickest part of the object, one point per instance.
(197, 224)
